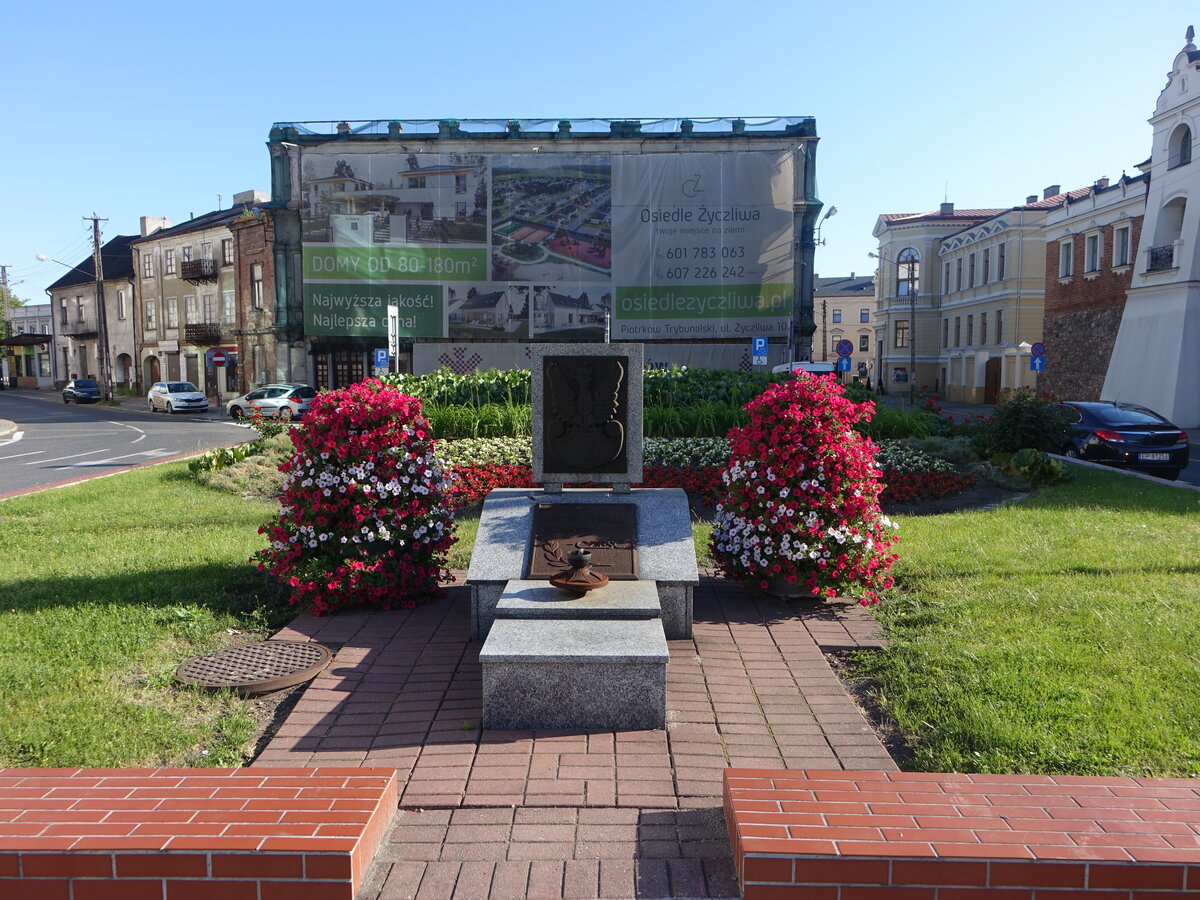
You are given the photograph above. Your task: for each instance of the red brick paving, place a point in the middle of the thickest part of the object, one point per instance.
(574, 814)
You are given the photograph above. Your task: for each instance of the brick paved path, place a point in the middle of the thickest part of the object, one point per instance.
(574, 814)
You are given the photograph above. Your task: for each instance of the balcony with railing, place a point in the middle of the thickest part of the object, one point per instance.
(204, 334)
(86, 326)
(199, 271)
(1161, 258)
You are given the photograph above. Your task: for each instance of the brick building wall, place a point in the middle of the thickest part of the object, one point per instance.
(1082, 317)
(254, 237)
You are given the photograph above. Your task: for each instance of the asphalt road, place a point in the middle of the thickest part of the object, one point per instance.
(44, 442)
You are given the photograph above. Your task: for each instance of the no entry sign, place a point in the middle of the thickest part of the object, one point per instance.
(218, 357)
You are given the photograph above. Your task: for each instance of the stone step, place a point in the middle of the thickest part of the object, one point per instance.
(575, 673)
(524, 599)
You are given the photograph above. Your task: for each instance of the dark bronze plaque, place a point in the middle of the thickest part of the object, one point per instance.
(608, 530)
(585, 410)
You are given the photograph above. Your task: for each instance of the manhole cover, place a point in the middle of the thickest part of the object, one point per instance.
(256, 668)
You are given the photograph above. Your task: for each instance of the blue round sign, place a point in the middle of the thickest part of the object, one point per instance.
(1038, 349)
(844, 348)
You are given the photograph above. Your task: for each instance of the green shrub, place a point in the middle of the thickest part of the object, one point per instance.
(891, 424)
(1023, 419)
(1037, 467)
(483, 420)
(957, 450)
(711, 419)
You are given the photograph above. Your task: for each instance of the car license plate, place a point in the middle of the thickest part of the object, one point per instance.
(1154, 457)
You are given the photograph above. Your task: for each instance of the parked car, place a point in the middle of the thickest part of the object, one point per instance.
(176, 395)
(1127, 435)
(284, 401)
(82, 390)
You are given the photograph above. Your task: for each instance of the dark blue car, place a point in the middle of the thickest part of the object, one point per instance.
(1127, 435)
(82, 390)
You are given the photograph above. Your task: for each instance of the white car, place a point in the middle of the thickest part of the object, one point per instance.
(175, 395)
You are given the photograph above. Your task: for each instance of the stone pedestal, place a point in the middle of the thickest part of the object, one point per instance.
(666, 552)
(575, 673)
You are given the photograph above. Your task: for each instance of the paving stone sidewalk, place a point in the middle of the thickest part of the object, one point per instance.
(574, 814)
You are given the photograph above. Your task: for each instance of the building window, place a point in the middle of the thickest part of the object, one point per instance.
(171, 312)
(837, 317)
(1121, 246)
(1066, 258)
(417, 181)
(901, 333)
(228, 308)
(62, 312)
(1179, 150)
(151, 314)
(210, 308)
(999, 326)
(191, 310)
(256, 286)
(120, 304)
(970, 331)
(908, 272)
(958, 331)
(206, 250)
(987, 265)
(834, 341)
(1091, 253)
(958, 274)
(864, 315)
(79, 309)
(460, 184)
(227, 251)
(147, 264)
(864, 342)
(982, 329)
(945, 332)
(1000, 263)
(946, 280)
(971, 275)
(186, 254)
(168, 262)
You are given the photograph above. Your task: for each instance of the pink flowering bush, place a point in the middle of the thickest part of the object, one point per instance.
(800, 497)
(363, 516)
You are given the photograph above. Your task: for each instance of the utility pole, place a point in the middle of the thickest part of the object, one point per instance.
(101, 312)
(5, 326)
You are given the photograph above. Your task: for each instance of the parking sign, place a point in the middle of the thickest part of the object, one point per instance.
(381, 357)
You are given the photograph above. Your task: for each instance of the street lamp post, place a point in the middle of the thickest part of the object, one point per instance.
(101, 316)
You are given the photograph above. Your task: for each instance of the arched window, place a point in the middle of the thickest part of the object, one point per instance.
(1179, 150)
(1166, 232)
(908, 272)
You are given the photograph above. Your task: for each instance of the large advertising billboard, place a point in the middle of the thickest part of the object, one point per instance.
(547, 246)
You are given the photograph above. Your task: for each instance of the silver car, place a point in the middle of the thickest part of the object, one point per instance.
(173, 396)
(283, 401)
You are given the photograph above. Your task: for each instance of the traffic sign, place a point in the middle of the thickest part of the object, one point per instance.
(218, 357)
(758, 346)
(759, 361)
(1038, 349)
(843, 364)
(381, 357)
(844, 348)
(1037, 364)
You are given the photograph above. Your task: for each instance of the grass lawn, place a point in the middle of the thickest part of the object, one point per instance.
(105, 587)
(1057, 635)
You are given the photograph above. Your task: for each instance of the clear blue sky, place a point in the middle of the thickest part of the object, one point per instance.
(131, 109)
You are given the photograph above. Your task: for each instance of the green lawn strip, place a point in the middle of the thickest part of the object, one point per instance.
(1056, 635)
(105, 587)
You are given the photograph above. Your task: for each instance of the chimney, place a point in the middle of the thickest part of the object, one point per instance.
(947, 209)
(151, 224)
(251, 198)
(1031, 199)
(1102, 183)
(1049, 192)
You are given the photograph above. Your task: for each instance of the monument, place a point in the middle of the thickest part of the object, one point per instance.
(596, 657)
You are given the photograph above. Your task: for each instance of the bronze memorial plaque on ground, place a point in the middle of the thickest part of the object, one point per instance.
(608, 530)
